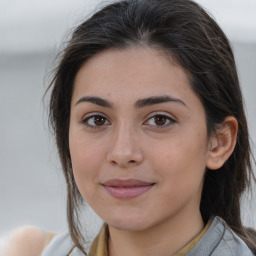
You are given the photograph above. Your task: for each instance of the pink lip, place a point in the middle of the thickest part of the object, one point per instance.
(127, 189)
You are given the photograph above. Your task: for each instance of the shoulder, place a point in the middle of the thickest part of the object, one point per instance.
(27, 240)
(230, 243)
(219, 239)
(60, 245)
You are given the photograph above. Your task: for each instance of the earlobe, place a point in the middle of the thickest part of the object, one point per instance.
(222, 143)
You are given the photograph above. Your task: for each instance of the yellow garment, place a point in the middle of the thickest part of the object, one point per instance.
(100, 244)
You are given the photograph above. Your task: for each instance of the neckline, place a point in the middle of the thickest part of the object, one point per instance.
(100, 244)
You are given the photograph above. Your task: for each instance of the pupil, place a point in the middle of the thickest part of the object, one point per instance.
(160, 120)
(99, 120)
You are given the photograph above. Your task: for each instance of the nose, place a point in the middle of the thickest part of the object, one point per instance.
(125, 150)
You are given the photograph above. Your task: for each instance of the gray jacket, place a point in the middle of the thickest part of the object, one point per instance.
(218, 240)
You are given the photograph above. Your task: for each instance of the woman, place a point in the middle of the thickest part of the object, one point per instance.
(150, 126)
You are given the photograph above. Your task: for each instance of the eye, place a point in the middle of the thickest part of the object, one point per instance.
(160, 121)
(95, 121)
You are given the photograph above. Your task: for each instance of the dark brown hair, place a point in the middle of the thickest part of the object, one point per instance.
(183, 30)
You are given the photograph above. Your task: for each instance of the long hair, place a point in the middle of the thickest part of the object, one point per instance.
(187, 33)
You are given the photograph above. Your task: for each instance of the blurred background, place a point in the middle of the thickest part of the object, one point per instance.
(32, 189)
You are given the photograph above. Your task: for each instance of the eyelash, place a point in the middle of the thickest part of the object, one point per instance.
(170, 121)
(86, 120)
(167, 118)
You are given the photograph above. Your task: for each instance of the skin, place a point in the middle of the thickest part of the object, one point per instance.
(25, 241)
(128, 142)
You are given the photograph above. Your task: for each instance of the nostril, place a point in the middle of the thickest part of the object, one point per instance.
(114, 162)
(124, 158)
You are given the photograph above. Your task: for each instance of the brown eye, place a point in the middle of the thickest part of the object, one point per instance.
(99, 120)
(160, 120)
(95, 121)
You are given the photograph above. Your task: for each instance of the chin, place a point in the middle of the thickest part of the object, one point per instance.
(124, 222)
(128, 226)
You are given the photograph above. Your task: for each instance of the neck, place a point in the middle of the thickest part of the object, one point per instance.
(163, 239)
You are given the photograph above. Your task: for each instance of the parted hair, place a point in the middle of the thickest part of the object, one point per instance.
(192, 38)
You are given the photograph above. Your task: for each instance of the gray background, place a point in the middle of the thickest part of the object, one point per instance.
(32, 189)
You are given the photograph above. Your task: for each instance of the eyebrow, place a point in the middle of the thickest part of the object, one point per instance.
(95, 100)
(157, 100)
(138, 104)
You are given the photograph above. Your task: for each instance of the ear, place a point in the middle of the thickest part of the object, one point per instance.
(222, 143)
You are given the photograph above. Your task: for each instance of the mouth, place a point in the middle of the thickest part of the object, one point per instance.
(127, 189)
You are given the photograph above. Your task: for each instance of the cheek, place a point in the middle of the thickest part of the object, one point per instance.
(182, 150)
(85, 150)
(182, 159)
(86, 160)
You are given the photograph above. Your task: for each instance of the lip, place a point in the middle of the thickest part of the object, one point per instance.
(127, 189)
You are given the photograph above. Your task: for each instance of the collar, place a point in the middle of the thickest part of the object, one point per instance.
(100, 244)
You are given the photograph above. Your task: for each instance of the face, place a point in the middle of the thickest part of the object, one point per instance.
(138, 139)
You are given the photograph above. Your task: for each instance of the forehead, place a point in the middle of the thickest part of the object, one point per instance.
(131, 73)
